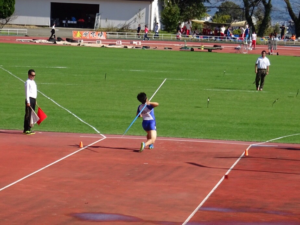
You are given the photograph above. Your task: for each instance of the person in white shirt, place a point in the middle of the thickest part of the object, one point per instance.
(52, 32)
(30, 100)
(223, 31)
(254, 36)
(188, 28)
(262, 70)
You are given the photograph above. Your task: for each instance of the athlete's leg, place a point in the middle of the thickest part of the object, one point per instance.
(151, 137)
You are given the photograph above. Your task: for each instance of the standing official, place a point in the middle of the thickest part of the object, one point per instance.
(262, 70)
(30, 100)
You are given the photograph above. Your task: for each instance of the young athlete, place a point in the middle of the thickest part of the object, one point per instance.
(149, 123)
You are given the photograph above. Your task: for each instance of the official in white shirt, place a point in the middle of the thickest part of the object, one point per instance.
(262, 70)
(30, 100)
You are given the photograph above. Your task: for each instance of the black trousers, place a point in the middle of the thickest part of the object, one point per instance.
(28, 114)
(260, 78)
(52, 34)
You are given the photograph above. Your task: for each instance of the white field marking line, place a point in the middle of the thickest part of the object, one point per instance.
(178, 140)
(261, 143)
(48, 67)
(150, 78)
(158, 89)
(29, 175)
(56, 103)
(210, 193)
(228, 90)
(57, 84)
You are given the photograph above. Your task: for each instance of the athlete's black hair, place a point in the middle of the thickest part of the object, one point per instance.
(142, 97)
(264, 51)
(30, 71)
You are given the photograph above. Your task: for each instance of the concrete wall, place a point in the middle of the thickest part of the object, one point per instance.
(114, 13)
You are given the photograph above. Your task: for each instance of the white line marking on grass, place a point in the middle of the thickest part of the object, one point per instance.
(57, 84)
(229, 90)
(217, 185)
(29, 175)
(48, 67)
(149, 71)
(56, 103)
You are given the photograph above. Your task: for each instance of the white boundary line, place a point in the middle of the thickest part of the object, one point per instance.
(56, 103)
(217, 185)
(261, 143)
(29, 175)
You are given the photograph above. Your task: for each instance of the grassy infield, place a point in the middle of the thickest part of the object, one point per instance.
(235, 112)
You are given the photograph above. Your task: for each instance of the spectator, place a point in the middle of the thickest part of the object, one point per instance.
(254, 36)
(282, 31)
(222, 31)
(146, 33)
(52, 32)
(293, 37)
(156, 29)
(138, 31)
(178, 35)
(188, 27)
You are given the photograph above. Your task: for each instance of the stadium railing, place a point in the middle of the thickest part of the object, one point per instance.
(6, 31)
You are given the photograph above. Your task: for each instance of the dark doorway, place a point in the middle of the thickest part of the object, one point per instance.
(73, 15)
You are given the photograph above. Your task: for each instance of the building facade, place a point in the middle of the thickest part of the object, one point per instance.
(82, 13)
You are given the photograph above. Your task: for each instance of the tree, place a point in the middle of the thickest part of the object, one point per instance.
(258, 7)
(7, 8)
(221, 18)
(266, 22)
(294, 17)
(170, 16)
(230, 8)
(190, 9)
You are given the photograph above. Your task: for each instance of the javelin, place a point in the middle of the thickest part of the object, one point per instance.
(144, 106)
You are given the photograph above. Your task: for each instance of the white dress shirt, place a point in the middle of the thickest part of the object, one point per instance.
(262, 63)
(30, 89)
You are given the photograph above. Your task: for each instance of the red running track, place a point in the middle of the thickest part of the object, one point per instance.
(110, 182)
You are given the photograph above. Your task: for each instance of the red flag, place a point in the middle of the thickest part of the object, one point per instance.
(41, 115)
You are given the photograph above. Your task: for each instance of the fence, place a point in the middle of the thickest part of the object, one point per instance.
(13, 31)
(195, 38)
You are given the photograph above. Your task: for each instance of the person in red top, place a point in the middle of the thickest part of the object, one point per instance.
(146, 33)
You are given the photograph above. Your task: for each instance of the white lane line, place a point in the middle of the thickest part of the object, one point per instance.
(43, 168)
(217, 185)
(212, 191)
(261, 143)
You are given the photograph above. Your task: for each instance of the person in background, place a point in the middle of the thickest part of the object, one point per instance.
(262, 70)
(156, 30)
(52, 32)
(282, 32)
(138, 31)
(146, 33)
(254, 36)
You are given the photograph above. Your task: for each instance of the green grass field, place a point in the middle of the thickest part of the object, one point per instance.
(74, 77)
